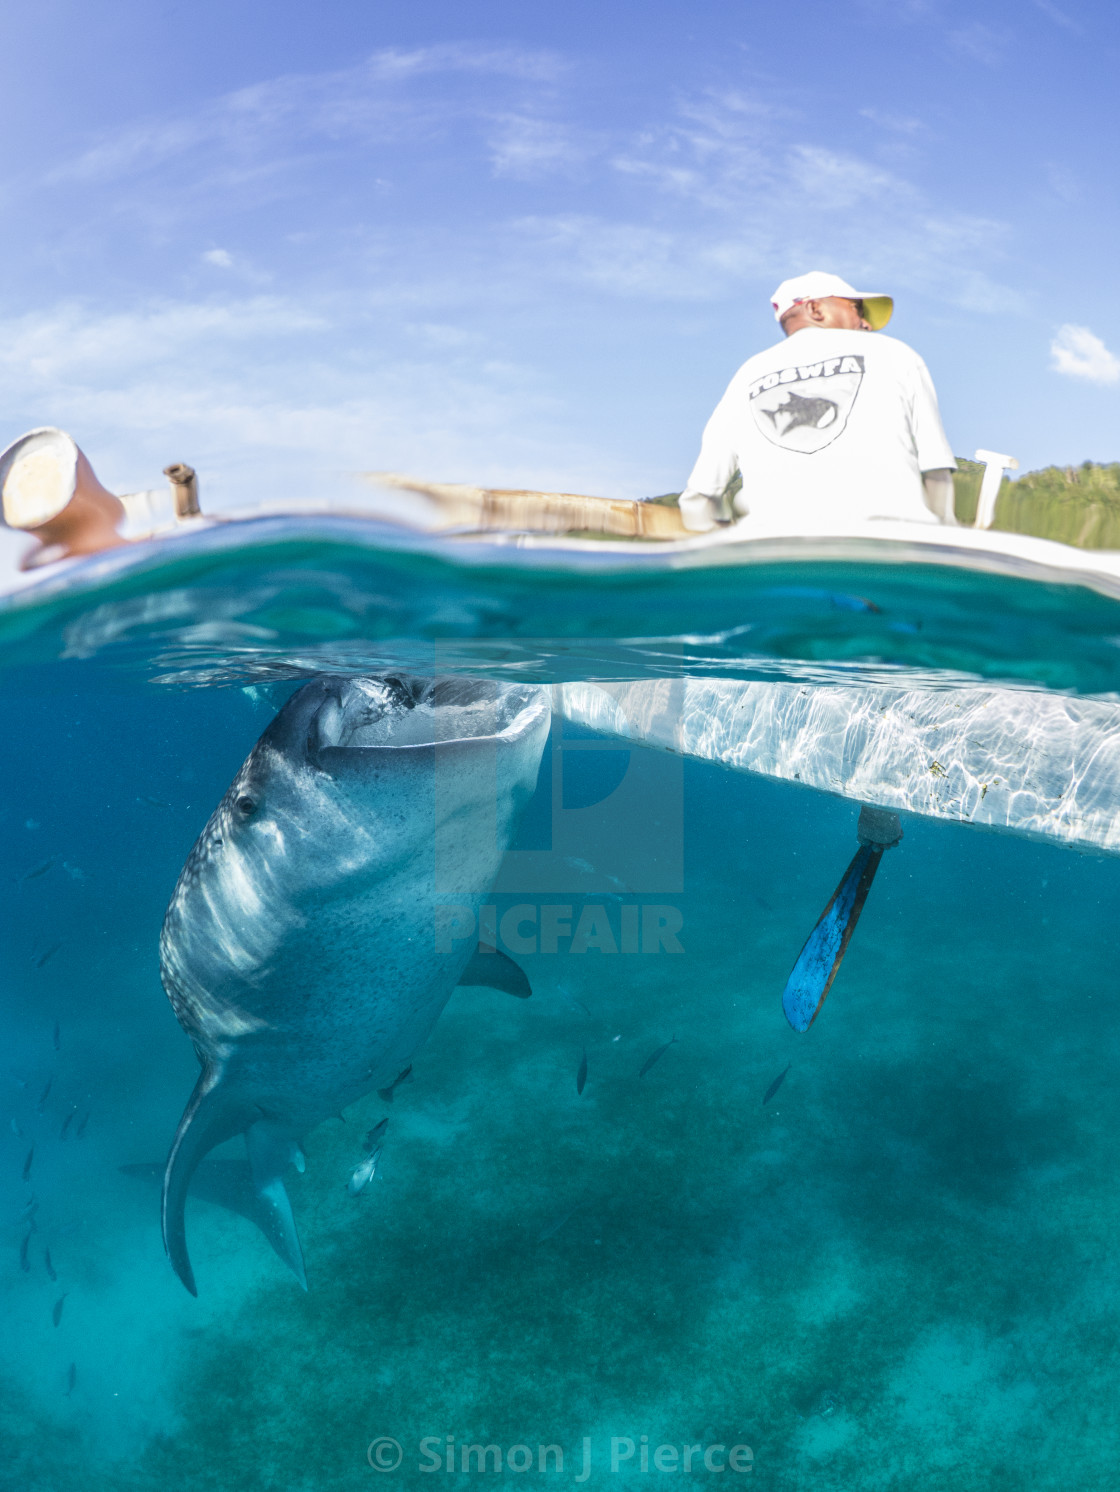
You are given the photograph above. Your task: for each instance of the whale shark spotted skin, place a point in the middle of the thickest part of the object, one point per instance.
(300, 950)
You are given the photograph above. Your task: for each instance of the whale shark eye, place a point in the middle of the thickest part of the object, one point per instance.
(245, 805)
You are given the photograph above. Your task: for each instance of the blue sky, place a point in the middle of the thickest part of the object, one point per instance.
(529, 244)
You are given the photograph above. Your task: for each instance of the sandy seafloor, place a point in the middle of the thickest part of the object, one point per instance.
(900, 1272)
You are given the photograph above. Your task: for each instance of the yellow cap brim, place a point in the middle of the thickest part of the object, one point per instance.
(877, 310)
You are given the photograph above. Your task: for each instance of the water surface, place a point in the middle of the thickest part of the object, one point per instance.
(900, 1271)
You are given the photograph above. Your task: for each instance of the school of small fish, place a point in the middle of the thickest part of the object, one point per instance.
(65, 1121)
(74, 1120)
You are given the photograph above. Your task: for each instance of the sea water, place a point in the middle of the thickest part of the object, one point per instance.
(898, 1271)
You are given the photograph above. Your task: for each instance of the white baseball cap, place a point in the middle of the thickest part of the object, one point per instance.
(817, 285)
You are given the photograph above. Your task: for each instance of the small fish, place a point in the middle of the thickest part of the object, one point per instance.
(81, 1129)
(50, 1266)
(27, 1164)
(655, 1057)
(551, 1229)
(46, 1093)
(24, 1261)
(15, 1129)
(582, 865)
(57, 1036)
(386, 1094)
(840, 602)
(56, 1314)
(66, 1123)
(366, 1169)
(363, 1173)
(153, 802)
(581, 1075)
(37, 870)
(776, 1084)
(16, 1079)
(45, 958)
(71, 1379)
(30, 1210)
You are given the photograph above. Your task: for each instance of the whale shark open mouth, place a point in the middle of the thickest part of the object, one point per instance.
(400, 710)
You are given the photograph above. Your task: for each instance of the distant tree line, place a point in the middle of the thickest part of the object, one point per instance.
(1074, 504)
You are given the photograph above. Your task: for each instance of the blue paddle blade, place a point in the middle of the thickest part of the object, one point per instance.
(826, 945)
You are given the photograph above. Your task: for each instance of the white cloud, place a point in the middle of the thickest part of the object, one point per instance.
(1063, 183)
(74, 341)
(757, 204)
(900, 124)
(257, 395)
(833, 181)
(414, 318)
(1059, 17)
(981, 43)
(749, 189)
(370, 101)
(525, 147)
(1079, 353)
(630, 260)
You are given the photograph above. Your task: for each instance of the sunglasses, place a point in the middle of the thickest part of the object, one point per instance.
(861, 309)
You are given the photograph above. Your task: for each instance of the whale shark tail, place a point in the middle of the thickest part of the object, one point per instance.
(212, 1115)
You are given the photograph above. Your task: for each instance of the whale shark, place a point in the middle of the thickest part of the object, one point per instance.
(301, 949)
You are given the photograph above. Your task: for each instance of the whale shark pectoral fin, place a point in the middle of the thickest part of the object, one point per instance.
(270, 1151)
(212, 1115)
(279, 1226)
(495, 970)
(818, 962)
(227, 1184)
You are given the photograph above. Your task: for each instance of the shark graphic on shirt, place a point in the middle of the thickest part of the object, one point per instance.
(806, 419)
(817, 414)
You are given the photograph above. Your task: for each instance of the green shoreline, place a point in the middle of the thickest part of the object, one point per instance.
(1078, 505)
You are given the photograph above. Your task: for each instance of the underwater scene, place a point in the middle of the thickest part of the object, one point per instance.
(414, 1074)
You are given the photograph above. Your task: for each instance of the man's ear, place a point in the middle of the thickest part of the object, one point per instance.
(813, 310)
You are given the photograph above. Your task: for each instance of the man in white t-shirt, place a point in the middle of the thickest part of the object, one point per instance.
(828, 428)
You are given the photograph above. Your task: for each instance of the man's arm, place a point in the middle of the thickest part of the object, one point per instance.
(701, 512)
(702, 502)
(935, 454)
(937, 488)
